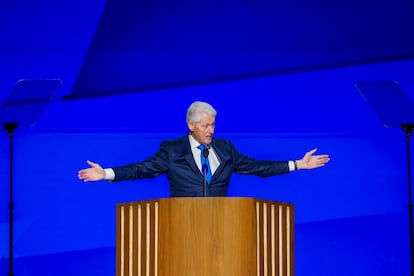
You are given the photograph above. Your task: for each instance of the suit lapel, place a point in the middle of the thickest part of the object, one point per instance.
(221, 151)
(222, 156)
(188, 154)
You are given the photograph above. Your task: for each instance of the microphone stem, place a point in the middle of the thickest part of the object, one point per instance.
(205, 180)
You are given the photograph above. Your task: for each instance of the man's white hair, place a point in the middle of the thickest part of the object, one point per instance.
(197, 109)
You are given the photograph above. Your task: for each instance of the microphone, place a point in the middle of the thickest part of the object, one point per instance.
(205, 168)
(206, 152)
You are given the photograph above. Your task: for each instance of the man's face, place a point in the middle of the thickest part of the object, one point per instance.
(203, 131)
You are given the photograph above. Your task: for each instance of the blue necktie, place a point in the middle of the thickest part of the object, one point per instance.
(205, 164)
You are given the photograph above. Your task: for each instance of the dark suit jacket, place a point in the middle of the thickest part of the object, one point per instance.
(175, 158)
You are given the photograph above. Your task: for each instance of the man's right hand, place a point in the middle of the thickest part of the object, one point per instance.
(94, 173)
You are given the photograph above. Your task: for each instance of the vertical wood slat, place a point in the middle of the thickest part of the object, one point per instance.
(138, 241)
(144, 239)
(120, 223)
(147, 238)
(125, 250)
(260, 256)
(283, 239)
(156, 238)
(257, 239)
(277, 260)
(131, 240)
(273, 238)
(268, 240)
(290, 246)
(265, 239)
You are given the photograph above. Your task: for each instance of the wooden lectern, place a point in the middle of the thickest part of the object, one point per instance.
(205, 236)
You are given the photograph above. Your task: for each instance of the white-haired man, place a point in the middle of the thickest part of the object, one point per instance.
(189, 159)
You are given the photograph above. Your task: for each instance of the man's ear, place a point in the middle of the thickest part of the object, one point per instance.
(191, 126)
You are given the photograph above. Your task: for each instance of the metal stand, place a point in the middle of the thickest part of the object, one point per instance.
(408, 128)
(22, 108)
(395, 110)
(9, 128)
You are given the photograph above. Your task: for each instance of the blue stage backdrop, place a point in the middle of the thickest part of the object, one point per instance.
(281, 76)
(351, 216)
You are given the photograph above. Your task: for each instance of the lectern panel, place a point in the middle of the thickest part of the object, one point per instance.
(205, 237)
(274, 238)
(137, 238)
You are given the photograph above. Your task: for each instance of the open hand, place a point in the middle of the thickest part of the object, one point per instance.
(94, 173)
(310, 161)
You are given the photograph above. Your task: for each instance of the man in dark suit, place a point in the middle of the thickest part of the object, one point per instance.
(197, 158)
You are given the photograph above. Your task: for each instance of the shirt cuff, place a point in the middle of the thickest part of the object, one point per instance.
(291, 166)
(109, 174)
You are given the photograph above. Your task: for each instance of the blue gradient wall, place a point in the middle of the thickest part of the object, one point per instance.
(351, 216)
(281, 76)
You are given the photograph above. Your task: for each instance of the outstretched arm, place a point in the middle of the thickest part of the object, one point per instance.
(94, 173)
(310, 161)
